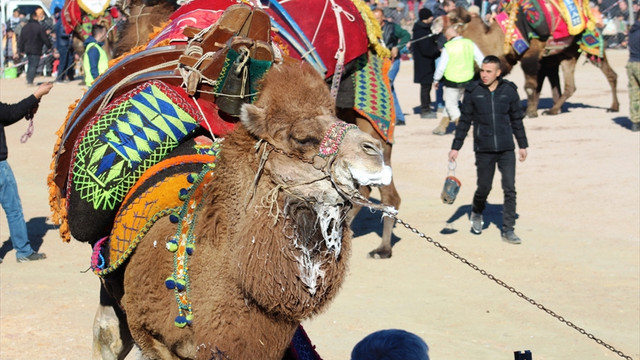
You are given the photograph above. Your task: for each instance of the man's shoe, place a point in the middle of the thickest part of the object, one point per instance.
(511, 237)
(441, 129)
(33, 257)
(635, 127)
(400, 123)
(476, 223)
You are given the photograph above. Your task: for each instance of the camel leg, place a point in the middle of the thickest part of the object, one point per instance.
(568, 70)
(388, 194)
(111, 337)
(612, 78)
(531, 66)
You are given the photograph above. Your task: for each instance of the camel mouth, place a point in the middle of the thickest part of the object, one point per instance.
(365, 178)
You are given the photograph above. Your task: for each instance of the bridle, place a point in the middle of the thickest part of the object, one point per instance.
(323, 161)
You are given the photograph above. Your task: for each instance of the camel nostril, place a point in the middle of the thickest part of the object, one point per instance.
(371, 149)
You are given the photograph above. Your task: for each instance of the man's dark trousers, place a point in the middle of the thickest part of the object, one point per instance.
(486, 167)
(32, 67)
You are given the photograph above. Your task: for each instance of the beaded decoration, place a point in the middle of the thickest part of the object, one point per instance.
(333, 138)
(182, 245)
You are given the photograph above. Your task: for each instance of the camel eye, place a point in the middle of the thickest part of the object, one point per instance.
(306, 141)
(370, 149)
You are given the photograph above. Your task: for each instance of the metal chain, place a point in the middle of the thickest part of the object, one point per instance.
(508, 287)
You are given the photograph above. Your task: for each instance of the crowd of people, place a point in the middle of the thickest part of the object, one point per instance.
(39, 45)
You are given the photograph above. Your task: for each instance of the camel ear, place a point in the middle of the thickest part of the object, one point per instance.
(253, 119)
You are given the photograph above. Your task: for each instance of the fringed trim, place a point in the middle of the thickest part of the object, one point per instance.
(57, 202)
(374, 31)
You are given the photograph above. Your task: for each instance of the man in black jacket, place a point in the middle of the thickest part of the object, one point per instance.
(9, 198)
(492, 106)
(425, 52)
(32, 38)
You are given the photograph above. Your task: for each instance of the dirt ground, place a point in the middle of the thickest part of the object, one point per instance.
(579, 218)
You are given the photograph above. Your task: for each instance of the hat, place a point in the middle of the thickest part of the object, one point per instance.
(424, 14)
(474, 9)
(400, 5)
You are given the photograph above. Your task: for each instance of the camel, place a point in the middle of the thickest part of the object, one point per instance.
(272, 235)
(490, 40)
(145, 17)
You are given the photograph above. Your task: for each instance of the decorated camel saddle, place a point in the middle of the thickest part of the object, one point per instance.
(559, 22)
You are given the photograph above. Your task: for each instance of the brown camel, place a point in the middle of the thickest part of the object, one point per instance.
(272, 236)
(145, 18)
(490, 40)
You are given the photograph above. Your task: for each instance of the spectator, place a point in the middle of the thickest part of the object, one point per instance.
(392, 344)
(31, 42)
(395, 38)
(425, 51)
(65, 52)
(492, 107)
(455, 69)
(10, 47)
(9, 198)
(14, 20)
(442, 10)
(95, 60)
(633, 72)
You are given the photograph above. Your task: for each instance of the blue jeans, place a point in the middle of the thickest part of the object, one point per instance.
(10, 202)
(393, 72)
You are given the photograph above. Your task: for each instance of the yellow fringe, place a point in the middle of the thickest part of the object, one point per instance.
(374, 31)
(57, 202)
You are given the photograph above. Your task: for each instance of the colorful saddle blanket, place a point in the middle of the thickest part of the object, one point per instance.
(117, 147)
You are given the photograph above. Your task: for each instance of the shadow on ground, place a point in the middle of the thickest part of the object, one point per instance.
(492, 215)
(36, 228)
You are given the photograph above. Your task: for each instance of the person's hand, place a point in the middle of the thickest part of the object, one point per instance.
(435, 85)
(394, 52)
(43, 89)
(523, 154)
(453, 155)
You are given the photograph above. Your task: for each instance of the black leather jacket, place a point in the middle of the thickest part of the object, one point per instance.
(496, 118)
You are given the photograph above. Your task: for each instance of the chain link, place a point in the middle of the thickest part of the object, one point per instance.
(510, 288)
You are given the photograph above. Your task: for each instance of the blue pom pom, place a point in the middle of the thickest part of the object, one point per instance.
(191, 178)
(174, 218)
(170, 282)
(183, 194)
(190, 248)
(180, 321)
(180, 285)
(172, 245)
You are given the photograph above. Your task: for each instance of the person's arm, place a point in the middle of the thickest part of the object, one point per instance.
(94, 58)
(10, 114)
(402, 35)
(464, 124)
(477, 55)
(516, 114)
(442, 65)
(45, 38)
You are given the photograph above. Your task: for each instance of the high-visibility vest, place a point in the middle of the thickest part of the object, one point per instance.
(103, 62)
(460, 65)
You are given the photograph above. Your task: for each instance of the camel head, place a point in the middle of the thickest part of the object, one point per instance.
(303, 124)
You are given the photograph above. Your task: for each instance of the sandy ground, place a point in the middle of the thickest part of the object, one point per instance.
(579, 218)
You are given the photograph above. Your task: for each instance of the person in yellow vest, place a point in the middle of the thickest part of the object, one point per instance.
(455, 70)
(95, 59)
